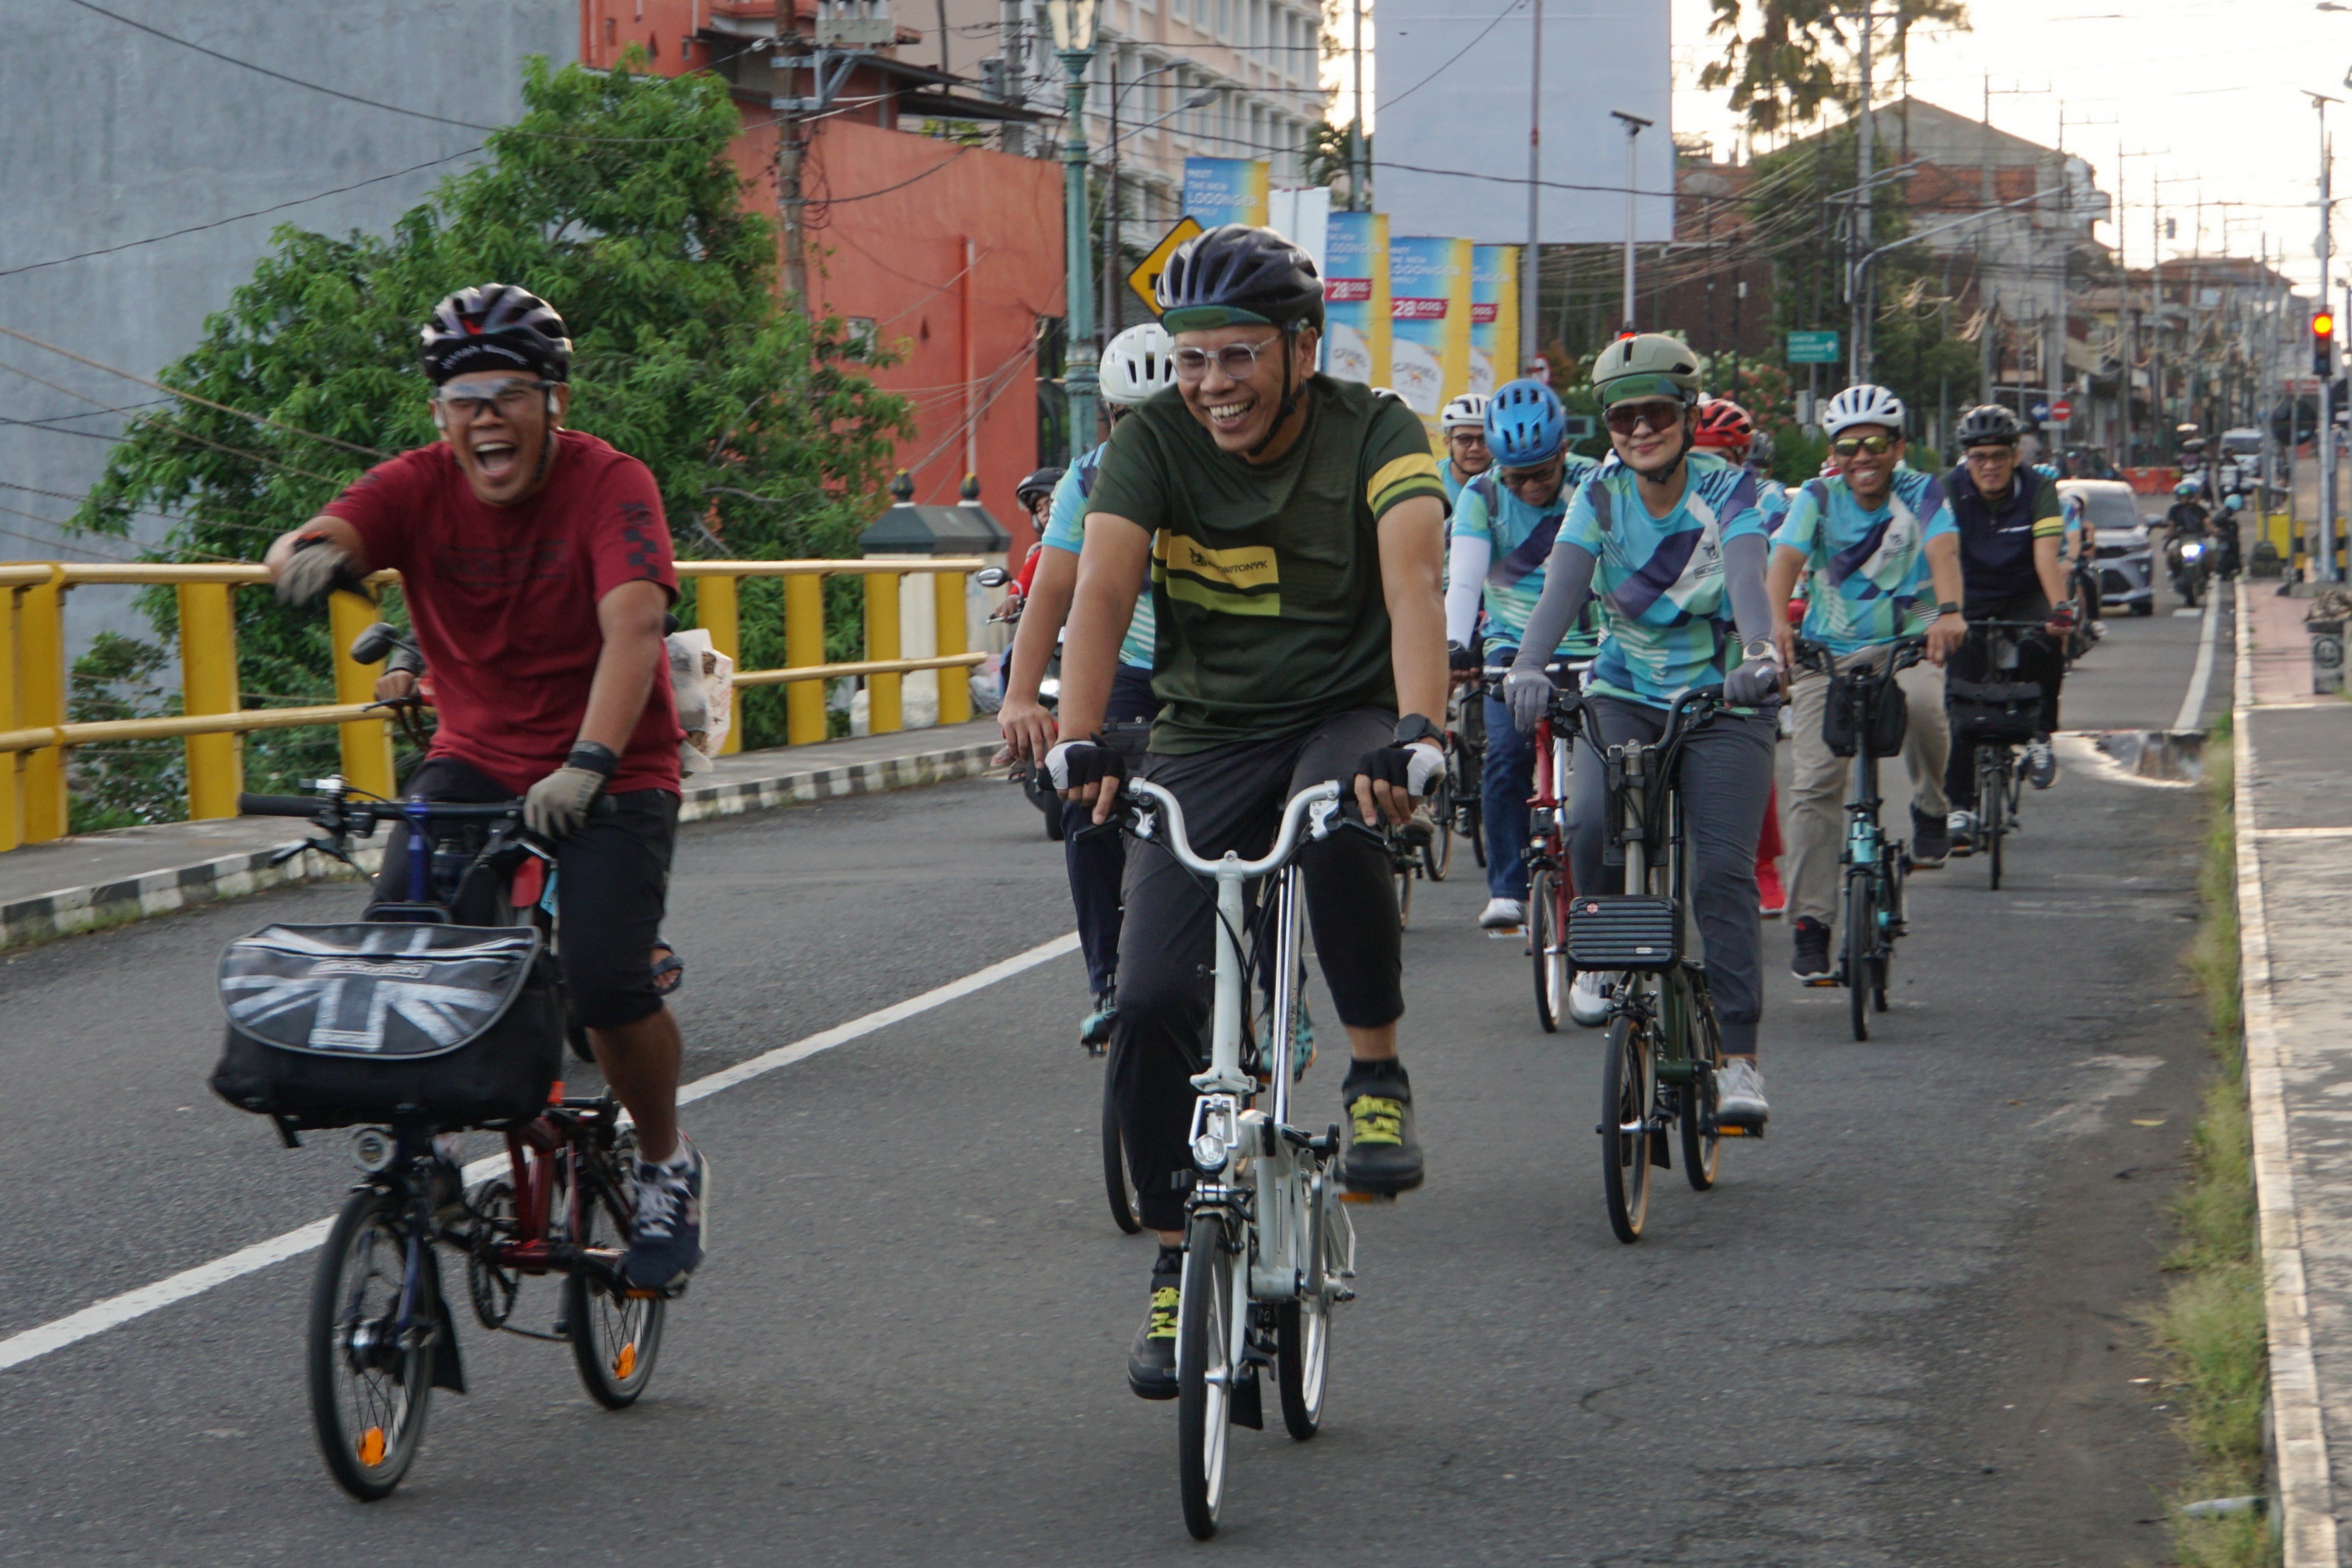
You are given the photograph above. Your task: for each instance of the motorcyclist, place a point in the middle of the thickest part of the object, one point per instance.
(2188, 519)
(2223, 526)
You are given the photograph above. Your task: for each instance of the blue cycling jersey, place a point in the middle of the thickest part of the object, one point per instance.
(1066, 529)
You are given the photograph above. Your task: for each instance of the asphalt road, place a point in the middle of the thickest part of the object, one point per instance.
(1900, 1333)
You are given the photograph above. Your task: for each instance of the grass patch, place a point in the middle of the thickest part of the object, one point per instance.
(2211, 1325)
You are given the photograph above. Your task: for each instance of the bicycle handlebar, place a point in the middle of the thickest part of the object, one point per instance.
(1816, 656)
(1285, 842)
(364, 815)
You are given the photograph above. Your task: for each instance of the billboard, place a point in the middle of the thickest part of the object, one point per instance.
(1429, 303)
(1494, 317)
(1449, 152)
(1356, 298)
(1225, 190)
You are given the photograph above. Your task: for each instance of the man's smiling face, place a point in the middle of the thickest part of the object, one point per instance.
(1235, 396)
(498, 424)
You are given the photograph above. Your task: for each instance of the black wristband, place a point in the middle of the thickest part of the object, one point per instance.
(590, 757)
(1415, 726)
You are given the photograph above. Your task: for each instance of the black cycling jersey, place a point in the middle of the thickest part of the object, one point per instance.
(1997, 536)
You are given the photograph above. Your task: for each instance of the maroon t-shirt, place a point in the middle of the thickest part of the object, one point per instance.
(504, 600)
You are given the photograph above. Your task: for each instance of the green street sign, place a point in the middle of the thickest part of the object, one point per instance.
(1813, 349)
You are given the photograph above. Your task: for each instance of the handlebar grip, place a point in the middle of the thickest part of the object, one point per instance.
(279, 805)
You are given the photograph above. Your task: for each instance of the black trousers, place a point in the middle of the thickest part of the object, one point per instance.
(2039, 660)
(1233, 797)
(1098, 864)
(611, 878)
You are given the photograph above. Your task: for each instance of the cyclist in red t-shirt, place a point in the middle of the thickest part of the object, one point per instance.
(536, 566)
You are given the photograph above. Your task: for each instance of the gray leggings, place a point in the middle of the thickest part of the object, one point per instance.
(1727, 780)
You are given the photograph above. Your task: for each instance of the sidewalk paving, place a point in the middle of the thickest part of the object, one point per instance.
(106, 879)
(2294, 820)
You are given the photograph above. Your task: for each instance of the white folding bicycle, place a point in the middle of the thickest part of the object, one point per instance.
(1264, 1208)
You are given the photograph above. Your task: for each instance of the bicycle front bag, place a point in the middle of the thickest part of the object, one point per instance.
(1843, 721)
(1614, 931)
(450, 1026)
(1992, 710)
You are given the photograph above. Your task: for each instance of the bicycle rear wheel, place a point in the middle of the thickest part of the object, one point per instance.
(615, 1331)
(1626, 1095)
(1205, 1369)
(1437, 855)
(1543, 935)
(1860, 935)
(370, 1381)
(1116, 1185)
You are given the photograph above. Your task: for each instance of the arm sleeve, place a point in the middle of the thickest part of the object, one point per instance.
(1568, 584)
(1743, 583)
(630, 541)
(381, 506)
(1466, 562)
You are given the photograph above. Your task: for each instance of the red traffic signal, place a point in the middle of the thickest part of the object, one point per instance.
(2322, 325)
(2323, 344)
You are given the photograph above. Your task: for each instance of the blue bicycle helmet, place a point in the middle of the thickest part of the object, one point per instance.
(1525, 425)
(2186, 487)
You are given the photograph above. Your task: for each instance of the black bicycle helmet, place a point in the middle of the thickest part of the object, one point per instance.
(495, 326)
(1237, 276)
(1041, 482)
(1988, 424)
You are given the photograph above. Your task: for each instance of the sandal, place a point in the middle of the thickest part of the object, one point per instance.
(669, 971)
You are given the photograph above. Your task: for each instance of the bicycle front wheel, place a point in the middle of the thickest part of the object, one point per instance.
(1701, 1144)
(1861, 936)
(1437, 855)
(370, 1377)
(1302, 1328)
(1115, 1186)
(1625, 1098)
(1403, 873)
(1544, 936)
(615, 1331)
(1206, 1367)
(1992, 802)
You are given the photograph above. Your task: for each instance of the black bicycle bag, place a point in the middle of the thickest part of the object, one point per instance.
(449, 1026)
(1992, 710)
(1612, 932)
(1843, 721)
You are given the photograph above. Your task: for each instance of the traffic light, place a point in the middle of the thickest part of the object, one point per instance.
(2323, 345)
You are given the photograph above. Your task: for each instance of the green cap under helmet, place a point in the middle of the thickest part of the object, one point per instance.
(1648, 365)
(1237, 275)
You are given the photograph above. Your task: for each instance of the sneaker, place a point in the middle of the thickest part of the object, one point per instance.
(1588, 999)
(1382, 1158)
(1740, 1093)
(1961, 827)
(1420, 828)
(1302, 1043)
(1772, 898)
(1931, 840)
(665, 1242)
(1811, 961)
(1094, 1030)
(2041, 762)
(1151, 1359)
(1502, 914)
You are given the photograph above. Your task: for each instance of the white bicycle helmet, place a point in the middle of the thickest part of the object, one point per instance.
(1137, 363)
(1864, 404)
(1469, 409)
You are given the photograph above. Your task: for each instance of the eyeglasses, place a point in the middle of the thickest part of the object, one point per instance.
(1237, 361)
(511, 398)
(1989, 453)
(1660, 414)
(1542, 474)
(1846, 447)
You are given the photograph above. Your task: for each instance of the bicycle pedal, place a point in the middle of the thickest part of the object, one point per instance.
(1353, 1196)
(1823, 983)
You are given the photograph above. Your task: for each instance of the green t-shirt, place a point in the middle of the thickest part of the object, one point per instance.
(1267, 581)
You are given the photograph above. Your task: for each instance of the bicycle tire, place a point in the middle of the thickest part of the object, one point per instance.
(1861, 922)
(1302, 1336)
(1206, 1367)
(1990, 803)
(369, 1447)
(616, 1336)
(1702, 1145)
(1437, 855)
(1626, 1095)
(1474, 828)
(1998, 830)
(1115, 1186)
(1403, 873)
(1541, 940)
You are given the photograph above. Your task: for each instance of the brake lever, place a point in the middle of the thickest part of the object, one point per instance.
(279, 856)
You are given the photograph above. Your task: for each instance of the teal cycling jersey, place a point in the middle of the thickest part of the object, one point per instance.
(1660, 579)
(1452, 481)
(1066, 529)
(1520, 539)
(1866, 572)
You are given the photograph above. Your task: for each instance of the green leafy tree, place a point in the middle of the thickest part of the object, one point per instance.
(615, 198)
(1786, 61)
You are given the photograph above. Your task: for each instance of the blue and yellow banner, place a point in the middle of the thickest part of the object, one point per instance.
(1225, 190)
(1356, 332)
(1494, 316)
(1429, 305)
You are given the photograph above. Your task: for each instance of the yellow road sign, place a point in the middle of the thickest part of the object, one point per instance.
(1146, 275)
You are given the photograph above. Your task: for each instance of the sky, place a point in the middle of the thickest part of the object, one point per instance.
(2207, 90)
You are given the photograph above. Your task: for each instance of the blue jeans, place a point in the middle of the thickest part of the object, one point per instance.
(1097, 865)
(1506, 779)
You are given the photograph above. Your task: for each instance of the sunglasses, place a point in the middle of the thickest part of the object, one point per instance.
(1238, 360)
(1846, 447)
(1660, 414)
(1542, 474)
(510, 398)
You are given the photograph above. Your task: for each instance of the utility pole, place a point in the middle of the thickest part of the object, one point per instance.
(1112, 315)
(1860, 230)
(1360, 181)
(1635, 125)
(1014, 47)
(1531, 265)
(2325, 439)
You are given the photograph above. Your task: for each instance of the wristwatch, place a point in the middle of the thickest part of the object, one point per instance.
(1948, 608)
(1761, 650)
(1415, 726)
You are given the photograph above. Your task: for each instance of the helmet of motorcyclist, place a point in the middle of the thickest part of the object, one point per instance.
(2234, 502)
(1525, 425)
(1988, 425)
(2186, 488)
(1137, 363)
(495, 326)
(1469, 409)
(1647, 364)
(1237, 276)
(1723, 425)
(1864, 404)
(1036, 486)
(1760, 450)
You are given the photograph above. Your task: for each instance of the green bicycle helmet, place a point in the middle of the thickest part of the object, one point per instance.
(1648, 365)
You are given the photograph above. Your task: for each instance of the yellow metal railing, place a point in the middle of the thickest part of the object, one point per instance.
(35, 737)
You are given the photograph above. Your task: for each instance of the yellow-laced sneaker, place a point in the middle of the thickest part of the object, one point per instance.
(1151, 1359)
(1383, 1157)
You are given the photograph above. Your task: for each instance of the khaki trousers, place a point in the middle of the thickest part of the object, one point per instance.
(1814, 819)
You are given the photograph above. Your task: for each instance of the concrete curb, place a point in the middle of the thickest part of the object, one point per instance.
(68, 910)
(2306, 1510)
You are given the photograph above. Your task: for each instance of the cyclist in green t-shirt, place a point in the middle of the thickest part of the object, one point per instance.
(1294, 528)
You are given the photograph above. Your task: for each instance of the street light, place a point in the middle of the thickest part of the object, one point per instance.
(1634, 126)
(1074, 41)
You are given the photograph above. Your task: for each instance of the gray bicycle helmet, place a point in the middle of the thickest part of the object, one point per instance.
(495, 326)
(1988, 424)
(1648, 365)
(1041, 482)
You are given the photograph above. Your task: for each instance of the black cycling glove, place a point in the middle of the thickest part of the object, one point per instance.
(1410, 767)
(1075, 764)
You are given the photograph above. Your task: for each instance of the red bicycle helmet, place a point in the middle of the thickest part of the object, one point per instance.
(1723, 425)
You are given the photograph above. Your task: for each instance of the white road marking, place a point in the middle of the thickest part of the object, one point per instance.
(2303, 833)
(115, 1311)
(2192, 707)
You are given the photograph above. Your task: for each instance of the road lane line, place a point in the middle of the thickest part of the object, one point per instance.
(115, 1311)
(2201, 680)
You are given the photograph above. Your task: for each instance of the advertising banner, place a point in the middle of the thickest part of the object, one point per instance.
(1225, 190)
(1429, 303)
(1356, 336)
(1494, 317)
